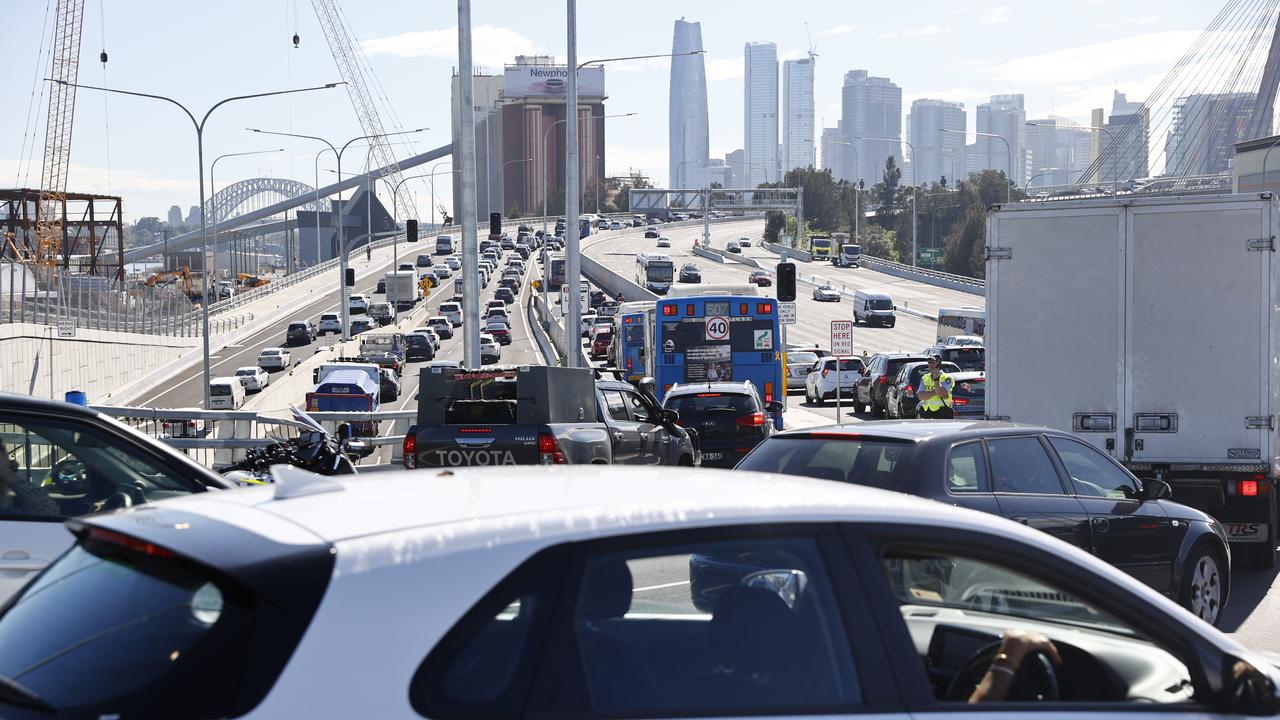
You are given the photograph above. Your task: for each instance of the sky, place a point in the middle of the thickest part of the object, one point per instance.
(1065, 57)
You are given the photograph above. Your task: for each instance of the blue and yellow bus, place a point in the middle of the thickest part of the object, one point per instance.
(719, 338)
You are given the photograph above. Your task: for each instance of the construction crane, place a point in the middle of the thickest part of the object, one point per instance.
(64, 69)
(344, 54)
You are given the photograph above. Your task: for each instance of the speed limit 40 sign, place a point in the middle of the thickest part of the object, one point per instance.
(718, 328)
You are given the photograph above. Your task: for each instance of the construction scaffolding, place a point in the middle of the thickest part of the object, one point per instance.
(91, 230)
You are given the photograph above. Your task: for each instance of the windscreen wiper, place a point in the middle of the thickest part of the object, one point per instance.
(14, 693)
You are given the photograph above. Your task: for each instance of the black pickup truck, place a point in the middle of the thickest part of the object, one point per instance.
(536, 415)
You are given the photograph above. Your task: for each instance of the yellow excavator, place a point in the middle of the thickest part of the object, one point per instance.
(168, 276)
(253, 281)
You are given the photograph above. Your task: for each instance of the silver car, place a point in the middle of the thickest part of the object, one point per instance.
(826, 293)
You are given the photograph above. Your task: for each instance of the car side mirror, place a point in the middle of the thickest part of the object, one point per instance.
(345, 431)
(789, 585)
(1249, 691)
(670, 416)
(773, 407)
(1153, 489)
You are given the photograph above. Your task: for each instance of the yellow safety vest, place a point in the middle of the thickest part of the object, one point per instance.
(927, 385)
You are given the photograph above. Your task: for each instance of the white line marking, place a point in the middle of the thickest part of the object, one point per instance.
(660, 587)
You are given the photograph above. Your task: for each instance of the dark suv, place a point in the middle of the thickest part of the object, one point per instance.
(966, 357)
(300, 332)
(1046, 479)
(730, 418)
(872, 388)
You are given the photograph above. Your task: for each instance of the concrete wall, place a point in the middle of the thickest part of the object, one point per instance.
(97, 362)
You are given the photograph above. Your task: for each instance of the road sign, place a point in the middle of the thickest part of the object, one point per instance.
(787, 313)
(762, 339)
(842, 338)
(66, 328)
(717, 328)
(932, 256)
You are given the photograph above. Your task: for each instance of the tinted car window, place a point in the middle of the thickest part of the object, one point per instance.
(1091, 472)
(713, 628)
(880, 304)
(1021, 465)
(965, 358)
(704, 403)
(639, 411)
(616, 406)
(104, 630)
(859, 460)
(967, 469)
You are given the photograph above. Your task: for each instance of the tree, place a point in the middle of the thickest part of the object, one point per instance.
(881, 243)
(774, 223)
(513, 213)
(966, 243)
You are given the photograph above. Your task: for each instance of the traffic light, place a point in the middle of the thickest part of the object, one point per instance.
(411, 230)
(351, 278)
(495, 223)
(786, 282)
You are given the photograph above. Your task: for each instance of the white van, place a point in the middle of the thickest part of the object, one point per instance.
(226, 393)
(444, 244)
(873, 307)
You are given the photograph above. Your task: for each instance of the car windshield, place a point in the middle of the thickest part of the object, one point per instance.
(698, 404)
(220, 389)
(801, 358)
(246, 372)
(880, 304)
(875, 462)
(968, 357)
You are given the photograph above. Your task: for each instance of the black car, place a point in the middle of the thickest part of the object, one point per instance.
(388, 360)
(597, 297)
(870, 392)
(1046, 479)
(425, 261)
(388, 387)
(382, 286)
(510, 283)
(730, 418)
(966, 357)
(900, 396)
(690, 273)
(419, 348)
(505, 295)
(300, 332)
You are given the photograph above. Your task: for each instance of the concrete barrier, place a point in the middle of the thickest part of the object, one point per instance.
(740, 258)
(793, 253)
(613, 283)
(973, 286)
(708, 254)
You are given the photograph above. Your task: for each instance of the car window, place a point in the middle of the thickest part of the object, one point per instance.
(1021, 465)
(958, 607)
(56, 468)
(712, 628)
(1091, 473)
(639, 410)
(967, 468)
(615, 405)
(858, 460)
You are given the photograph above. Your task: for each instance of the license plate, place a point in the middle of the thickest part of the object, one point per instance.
(1247, 531)
(712, 456)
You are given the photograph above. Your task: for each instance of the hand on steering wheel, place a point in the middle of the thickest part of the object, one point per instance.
(997, 671)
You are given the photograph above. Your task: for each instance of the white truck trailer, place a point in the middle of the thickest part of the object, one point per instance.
(402, 288)
(1148, 326)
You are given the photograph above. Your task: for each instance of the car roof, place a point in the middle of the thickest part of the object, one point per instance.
(922, 430)
(466, 507)
(717, 387)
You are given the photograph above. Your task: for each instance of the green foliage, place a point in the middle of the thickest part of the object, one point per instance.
(513, 213)
(774, 223)
(881, 243)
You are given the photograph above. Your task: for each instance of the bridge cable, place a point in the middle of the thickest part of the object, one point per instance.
(23, 171)
(106, 109)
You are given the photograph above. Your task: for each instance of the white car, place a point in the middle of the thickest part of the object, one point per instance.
(498, 315)
(442, 326)
(453, 311)
(820, 385)
(744, 242)
(330, 322)
(453, 263)
(357, 304)
(254, 379)
(588, 319)
(274, 359)
(441, 272)
(490, 350)
(826, 292)
(615, 225)
(664, 242)
(963, 340)
(648, 592)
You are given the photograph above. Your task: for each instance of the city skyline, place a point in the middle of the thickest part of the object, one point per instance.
(1062, 68)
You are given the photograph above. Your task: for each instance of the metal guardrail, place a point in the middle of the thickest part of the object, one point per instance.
(925, 272)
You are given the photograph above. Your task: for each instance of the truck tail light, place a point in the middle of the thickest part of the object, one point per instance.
(549, 452)
(409, 450)
(1247, 488)
(752, 420)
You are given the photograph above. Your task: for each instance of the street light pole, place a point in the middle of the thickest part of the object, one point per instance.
(1008, 190)
(342, 236)
(1115, 168)
(213, 191)
(204, 236)
(857, 210)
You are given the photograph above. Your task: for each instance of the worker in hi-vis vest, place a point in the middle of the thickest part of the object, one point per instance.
(934, 398)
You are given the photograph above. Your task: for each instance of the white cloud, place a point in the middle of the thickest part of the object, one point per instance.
(925, 31)
(1109, 59)
(793, 55)
(998, 14)
(723, 69)
(494, 46)
(838, 30)
(144, 193)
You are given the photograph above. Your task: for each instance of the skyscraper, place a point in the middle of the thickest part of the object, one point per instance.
(1005, 116)
(797, 114)
(871, 107)
(1129, 127)
(175, 215)
(937, 154)
(1059, 151)
(760, 112)
(687, 139)
(1204, 131)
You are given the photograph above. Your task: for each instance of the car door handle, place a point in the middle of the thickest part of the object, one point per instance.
(19, 561)
(1101, 524)
(617, 434)
(1021, 520)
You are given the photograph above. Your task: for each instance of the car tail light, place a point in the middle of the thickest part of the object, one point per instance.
(825, 370)
(959, 401)
(409, 451)
(909, 391)
(752, 420)
(549, 452)
(132, 543)
(883, 379)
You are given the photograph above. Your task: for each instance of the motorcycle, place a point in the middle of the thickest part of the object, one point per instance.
(314, 450)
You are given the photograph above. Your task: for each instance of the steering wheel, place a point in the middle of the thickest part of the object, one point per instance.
(70, 477)
(1035, 679)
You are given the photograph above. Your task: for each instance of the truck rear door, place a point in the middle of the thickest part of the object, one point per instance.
(1055, 319)
(1174, 249)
